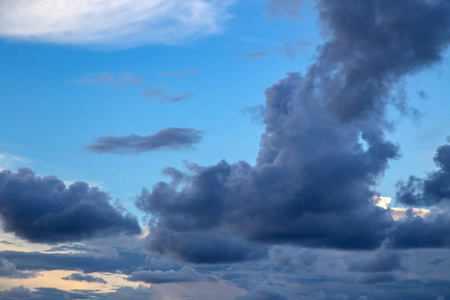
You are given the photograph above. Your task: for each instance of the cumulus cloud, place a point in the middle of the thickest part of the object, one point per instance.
(44, 210)
(185, 274)
(314, 180)
(16, 293)
(174, 139)
(9, 270)
(431, 190)
(123, 23)
(86, 278)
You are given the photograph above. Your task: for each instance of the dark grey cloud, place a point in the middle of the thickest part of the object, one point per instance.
(174, 139)
(381, 262)
(264, 291)
(9, 270)
(15, 293)
(377, 278)
(125, 262)
(84, 277)
(180, 74)
(44, 210)
(431, 190)
(185, 274)
(166, 96)
(323, 151)
(417, 232)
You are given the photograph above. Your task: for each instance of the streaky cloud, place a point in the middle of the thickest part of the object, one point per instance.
(111, 24)
(84, 277)
(174, 139)
(185, 274)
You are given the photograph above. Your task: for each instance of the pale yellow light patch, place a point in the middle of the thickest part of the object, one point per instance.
(17, 244)
(398, 212)
(53, 279)
(381, 201)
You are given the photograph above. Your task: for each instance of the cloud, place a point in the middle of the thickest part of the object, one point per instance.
(382, 262)
(431, 190)
(183, 73)
(9, 270)
(44, 210)
(264, 291)
(86, 278)
(185, 274)
(174, 139)
(118, 24)
(126, 261)
(324, 149)
(289, 8)
(122, 79)
(166, 96)
(16, 293)
(417, 232)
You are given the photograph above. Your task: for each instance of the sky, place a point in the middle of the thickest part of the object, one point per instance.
(234, 149)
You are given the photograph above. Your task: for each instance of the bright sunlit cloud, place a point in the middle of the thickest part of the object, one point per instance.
(114, 23)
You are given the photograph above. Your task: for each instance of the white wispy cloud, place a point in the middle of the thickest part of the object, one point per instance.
(114, 23)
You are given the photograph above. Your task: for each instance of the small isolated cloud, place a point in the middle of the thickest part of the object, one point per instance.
(121, 24)
(174, 139)
(185, 274)
(44, 210)
(87, 278)
(122, 79)
(290, 8)
(288, 49)
(180, 74)
(255, 54)
(256, 113)
(166, 96)
(9, 270)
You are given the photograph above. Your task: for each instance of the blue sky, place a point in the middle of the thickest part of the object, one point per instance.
(113, 92)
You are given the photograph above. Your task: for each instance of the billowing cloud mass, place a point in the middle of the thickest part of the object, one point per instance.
(323, 150)
(44, 210)
(167, 139)
(122, 23)
(86, 278)
(185, 274)
(8, 269)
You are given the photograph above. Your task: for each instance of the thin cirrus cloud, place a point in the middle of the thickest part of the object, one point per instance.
(120, 23)
(167, 139)
(165, 96)
(121, 79)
